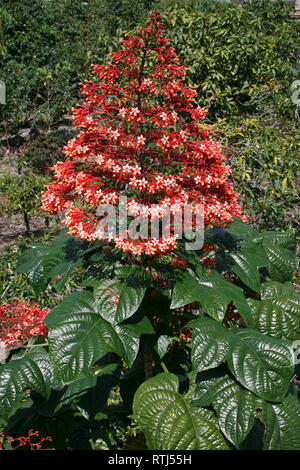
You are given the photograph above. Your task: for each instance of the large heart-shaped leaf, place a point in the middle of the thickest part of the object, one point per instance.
(117, 300)
(280, 248)
(169, 422)
(282, 425)
(79, 336)
(247, 261)
(260, 363)
(90, 393)
(238, 410)
(33, 370)
(31, 263)
(212, 292)
(278, 313)
(235, 406)
(55, 261)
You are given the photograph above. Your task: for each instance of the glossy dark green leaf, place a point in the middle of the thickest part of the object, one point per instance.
(32, 371)
(163, 344)
(260, 363)
(282, 425)
(31, 263)
(79, 336)
(280, 248)
(117, 300)
(213, 293)
(90, 394)
(278, 312)
(169, 422)
(235, 406)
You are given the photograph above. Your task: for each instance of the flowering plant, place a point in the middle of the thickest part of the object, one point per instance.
(20, 321)
(141, 137)
(33, 441)
(200, 344)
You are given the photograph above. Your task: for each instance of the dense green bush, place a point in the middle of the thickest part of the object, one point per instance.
(241, 57)
(15, 284)
(264, 156)
(244, 59)
(44, 151)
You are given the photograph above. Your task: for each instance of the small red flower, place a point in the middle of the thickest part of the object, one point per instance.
(34, 441)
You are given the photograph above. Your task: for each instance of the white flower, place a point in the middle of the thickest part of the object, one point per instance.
(122, 112)
(135, 111)
(165, 139)
(141, 140)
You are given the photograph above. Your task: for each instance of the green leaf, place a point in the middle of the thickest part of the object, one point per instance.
(235, 406)
(163, 343)
(238, 409)
(62, 271)
(242, 230)
(186, 290)
(79, 336)
(54, 261)
(33, 370)
(90, 394)
(278, 313)
(116, 300)
(261, 364)
(214, 294)
(280, 249)
(169, 422)
(282, 425)
(246, 265)
(31, 263)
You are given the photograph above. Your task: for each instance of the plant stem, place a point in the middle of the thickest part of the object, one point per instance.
(148, 361)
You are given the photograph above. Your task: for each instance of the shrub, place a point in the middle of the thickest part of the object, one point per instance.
(20, 321)
(197, 346)
(263, 154)
(244, 59)
(45, 151)
(141, 139)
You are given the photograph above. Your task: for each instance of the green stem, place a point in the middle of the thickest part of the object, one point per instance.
(164, 368)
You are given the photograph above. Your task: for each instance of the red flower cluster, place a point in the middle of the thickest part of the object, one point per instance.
(21, 320)
(141, 137)
(33, 440)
